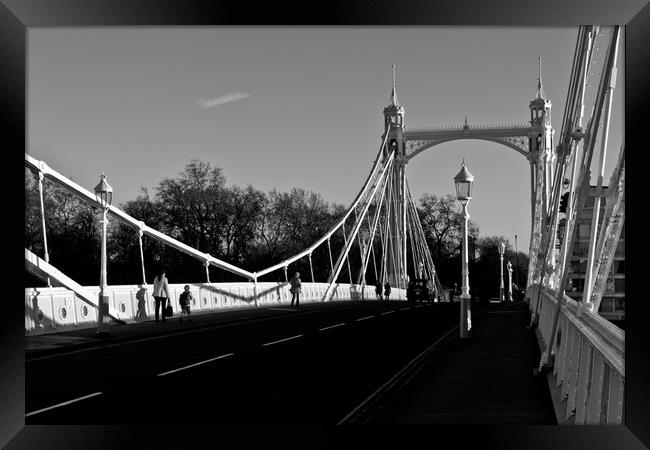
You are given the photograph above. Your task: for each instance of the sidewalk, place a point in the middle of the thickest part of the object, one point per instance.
(485, 380)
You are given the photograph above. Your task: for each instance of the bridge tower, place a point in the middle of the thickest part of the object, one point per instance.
(542, 159)
(396, 219)
(541, 156)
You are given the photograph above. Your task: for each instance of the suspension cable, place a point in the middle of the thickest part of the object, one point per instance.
(373, 229)
(355, 230)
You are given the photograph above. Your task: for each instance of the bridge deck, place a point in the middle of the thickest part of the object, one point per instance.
(485, 380)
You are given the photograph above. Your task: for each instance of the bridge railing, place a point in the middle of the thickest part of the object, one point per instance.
(589, 360)
(55, 309)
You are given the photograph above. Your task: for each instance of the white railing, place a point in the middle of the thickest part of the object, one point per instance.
(50, 310)
(507, 126)
(589, 360)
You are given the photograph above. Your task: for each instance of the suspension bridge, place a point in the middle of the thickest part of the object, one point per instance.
(344, 356)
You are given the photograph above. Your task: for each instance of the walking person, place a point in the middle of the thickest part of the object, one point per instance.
(141, 296)
(160, 293)
(387, 290)
(295, 289)
(184, 299)
(378, 290)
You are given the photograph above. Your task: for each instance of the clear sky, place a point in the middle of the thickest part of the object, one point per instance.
(295, 107)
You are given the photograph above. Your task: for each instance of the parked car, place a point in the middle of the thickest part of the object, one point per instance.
(419, 290)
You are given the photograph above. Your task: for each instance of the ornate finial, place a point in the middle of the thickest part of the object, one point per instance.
(540, 88)
(465, 120)
(463, 162)
(393, 94)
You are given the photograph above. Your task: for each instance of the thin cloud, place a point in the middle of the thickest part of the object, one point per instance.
(207, 103)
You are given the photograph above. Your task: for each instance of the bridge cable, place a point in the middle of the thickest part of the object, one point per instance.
(329, 248)
(46, 255)
(355, 230)
(372, 247)
(373, 228)
(360, 195)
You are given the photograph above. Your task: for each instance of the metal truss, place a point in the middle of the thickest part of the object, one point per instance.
(591, 85)
(515, 136)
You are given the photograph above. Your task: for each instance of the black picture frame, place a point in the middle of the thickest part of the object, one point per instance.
(18, 15)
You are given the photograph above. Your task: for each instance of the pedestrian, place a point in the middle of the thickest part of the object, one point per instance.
(184, 299)
(160, 293)
(378, 290)
(141, 296)
(295, 289)
(387, 291)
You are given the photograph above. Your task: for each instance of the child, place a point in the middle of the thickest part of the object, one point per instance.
(141, 295)
(185, 299)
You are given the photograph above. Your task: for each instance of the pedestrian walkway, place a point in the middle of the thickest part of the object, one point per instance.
(485, 380)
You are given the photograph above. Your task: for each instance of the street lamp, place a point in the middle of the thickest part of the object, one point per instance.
(104, 196)
(509, 281)
(502, 250)
(463, 181)
(517, 261)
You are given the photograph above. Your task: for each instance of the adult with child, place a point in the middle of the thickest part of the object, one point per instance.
(160, 293)
(296, 286)
(184, 299)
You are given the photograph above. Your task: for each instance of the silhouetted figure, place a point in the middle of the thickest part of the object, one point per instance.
(295, 289)
(378, 290)
(387, 291)
(141, 296)
(160, 293)
(184, 299)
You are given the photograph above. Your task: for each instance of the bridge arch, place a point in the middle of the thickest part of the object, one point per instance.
(515, 146)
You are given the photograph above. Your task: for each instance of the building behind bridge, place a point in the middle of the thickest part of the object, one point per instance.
(612, 306)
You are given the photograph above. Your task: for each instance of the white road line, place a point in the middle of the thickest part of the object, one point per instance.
(282, 340)
(364, 318)
(62, 404)
(173, 334)
(195, 364)
(282, 309)
(387, 312)
(332, 326)
(419, 306)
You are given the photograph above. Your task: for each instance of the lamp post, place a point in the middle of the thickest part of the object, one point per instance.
(502, 250)
(463, 181)
(104, 196)
(517, 261)
(509, 281)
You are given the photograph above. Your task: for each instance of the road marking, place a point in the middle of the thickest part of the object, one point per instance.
(332, 326)
(364, 318)
(283, 340)
(195, 364)
(176, 333)
(62, 404)
(387, 312)
(419, 306)
(282, 309)
(395, 377)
